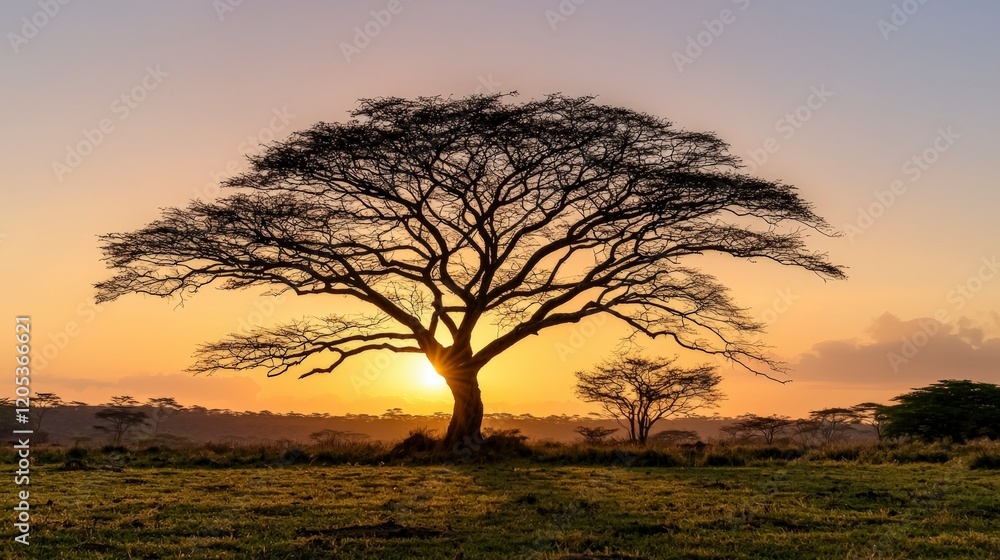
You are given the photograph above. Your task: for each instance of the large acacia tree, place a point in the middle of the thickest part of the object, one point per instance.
(467, 225)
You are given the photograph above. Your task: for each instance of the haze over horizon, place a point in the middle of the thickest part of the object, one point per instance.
(884, 118)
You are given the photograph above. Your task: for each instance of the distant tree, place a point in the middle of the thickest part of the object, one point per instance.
(41, 404)
(674, 437)
(122, 401)
(767, 428)
(163, 408)
(833, 424)
(637, 392)
(120, 418)
(732, 432)
(595, 435)
(948, 409)
(872, 414)
(464, 226)
(806, 431)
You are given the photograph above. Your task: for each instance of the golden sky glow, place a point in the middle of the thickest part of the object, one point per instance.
(113, 111)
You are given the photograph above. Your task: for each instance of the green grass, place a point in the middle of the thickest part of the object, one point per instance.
(518, 509)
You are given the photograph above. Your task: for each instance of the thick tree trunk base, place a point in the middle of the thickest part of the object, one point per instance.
(464, 435)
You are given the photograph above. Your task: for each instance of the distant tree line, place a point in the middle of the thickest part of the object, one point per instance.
(634, 391)
(638, 392)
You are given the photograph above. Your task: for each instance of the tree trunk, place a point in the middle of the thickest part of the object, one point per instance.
(464, 435)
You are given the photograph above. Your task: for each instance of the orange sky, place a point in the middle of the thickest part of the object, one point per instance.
(112, 112)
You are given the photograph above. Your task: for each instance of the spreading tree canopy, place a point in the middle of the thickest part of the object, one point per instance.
(638, 392)
(453, 217)
(949, 409)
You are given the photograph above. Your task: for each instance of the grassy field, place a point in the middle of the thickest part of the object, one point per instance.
(516, 510)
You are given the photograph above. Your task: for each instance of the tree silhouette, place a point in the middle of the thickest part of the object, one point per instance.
(595, 435)
(637, 392)
(42, 403)
(163, 408)
(454, 220)
(949, 409)
(832, 424)
(675, 437)
(872, 414)
(120, 418)
(765, 427)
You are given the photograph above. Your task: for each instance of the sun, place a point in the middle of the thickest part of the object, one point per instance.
(430, 378)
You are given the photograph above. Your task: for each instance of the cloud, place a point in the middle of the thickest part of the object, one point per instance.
(907, 354)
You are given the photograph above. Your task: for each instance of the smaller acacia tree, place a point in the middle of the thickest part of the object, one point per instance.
(120, 418)
(676, 437)
(767, 428)
(637, 392)
(872, 414)
(833, 424)
(163, 408)
(596, 435)
(42, 403)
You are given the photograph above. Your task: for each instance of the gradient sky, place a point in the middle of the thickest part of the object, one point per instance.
(206, 83)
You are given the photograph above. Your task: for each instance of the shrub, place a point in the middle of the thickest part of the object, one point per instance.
(420, 441)
(505, 442)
